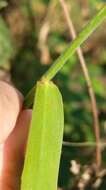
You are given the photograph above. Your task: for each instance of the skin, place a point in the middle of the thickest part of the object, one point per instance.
(14, 126)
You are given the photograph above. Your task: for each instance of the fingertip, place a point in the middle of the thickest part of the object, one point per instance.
(11, 101)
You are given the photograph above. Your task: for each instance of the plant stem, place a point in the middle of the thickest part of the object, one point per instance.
(84, 144)
(58, 64)
(92, 25)
(88, 81)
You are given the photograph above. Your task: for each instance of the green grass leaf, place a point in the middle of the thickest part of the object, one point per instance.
(45, 140)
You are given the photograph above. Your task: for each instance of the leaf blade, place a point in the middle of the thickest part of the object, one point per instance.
(45, 139)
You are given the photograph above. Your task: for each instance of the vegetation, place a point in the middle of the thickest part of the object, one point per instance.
(32, 35)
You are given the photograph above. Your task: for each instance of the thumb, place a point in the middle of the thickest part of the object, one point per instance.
(10, 105)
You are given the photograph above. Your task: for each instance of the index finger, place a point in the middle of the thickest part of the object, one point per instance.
(11, 102)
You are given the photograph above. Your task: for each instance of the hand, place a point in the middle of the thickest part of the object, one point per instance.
(14, 124)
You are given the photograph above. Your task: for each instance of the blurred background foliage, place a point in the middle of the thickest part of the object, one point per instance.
(32, 35)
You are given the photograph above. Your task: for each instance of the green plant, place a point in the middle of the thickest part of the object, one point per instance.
(45, 139)
(47, 121)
